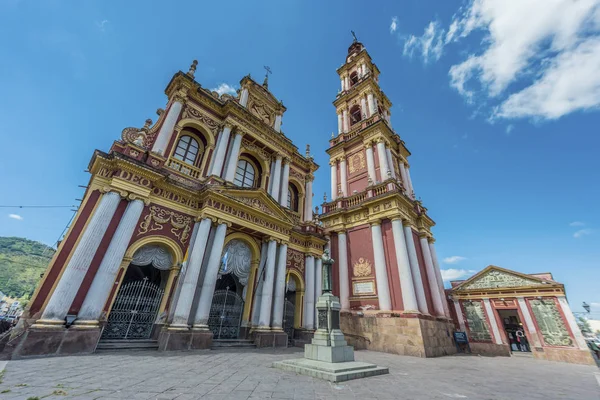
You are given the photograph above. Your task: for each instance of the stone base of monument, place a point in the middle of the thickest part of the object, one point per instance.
(329, 357)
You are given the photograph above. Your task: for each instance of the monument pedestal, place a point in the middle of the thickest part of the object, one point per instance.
(329, 357)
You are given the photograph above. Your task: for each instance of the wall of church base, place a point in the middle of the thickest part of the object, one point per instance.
(184, 340)
(270, 339)
(490, 349)
(55, 342)
(573, 356)
(418, 337)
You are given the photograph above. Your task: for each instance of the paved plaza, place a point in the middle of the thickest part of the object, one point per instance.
(247, 374)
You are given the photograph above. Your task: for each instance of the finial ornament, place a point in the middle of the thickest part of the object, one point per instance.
(354, 36)
(332, 135)
(266, 82)
(325, 197)
(308, 150)
(192, 70)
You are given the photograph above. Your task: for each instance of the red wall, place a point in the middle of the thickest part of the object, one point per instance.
(360, 245)
(95, 264)
(423, 273)
(53, 272)
(392, 265)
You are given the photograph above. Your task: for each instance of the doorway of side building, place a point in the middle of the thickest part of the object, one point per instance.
(515, 331)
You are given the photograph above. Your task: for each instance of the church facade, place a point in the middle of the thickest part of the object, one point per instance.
(389, 281)
(197, 228)
(505, 312)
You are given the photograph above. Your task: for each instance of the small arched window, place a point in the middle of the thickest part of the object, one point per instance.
(353, 78)
(245, 174)
(292, 199)
(187, 150)
(355, 114)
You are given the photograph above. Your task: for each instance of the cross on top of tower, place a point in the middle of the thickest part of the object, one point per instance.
(266, 82)
(354, 36)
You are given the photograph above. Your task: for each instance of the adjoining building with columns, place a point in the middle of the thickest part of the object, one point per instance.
(197, 228)
(504, 311)
(387, 273)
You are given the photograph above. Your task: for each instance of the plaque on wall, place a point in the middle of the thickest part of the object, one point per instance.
(363, 288)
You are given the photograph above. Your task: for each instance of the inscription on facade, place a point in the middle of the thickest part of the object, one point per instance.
(363, 288)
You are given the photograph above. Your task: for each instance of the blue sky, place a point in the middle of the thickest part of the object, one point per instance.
(498, 106)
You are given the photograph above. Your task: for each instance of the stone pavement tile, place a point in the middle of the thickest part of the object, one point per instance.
(261, 395)
(282, 395)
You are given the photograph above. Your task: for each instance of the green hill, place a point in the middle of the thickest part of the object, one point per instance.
(22, 262)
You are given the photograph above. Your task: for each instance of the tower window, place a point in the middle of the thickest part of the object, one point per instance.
(353, 78)
(187, 150)
(292, 199)
(355, 114)
(245, 174)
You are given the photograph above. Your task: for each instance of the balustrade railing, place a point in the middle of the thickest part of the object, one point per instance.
(355, 129)
(184, 168)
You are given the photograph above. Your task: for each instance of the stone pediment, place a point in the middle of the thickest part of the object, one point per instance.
(258, 200)
(496, 278)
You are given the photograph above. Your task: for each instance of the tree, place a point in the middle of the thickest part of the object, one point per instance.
(584, 326)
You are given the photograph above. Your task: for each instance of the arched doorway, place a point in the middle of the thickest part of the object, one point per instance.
(138, 300)
(227, 306)
(292, 309)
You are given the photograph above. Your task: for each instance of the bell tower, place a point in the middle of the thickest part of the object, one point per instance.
(379, 234)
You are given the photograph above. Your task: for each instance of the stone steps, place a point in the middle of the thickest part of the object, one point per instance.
(129, 345)
(218, 344)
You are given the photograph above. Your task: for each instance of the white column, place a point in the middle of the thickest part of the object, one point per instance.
(409, 297)
(279, 294)
(346, 123)
(383, 287)
(383, 164)
(347, 82)
(276, 177)
(343, 271)
(535, 340)
(333, 180)
(438, 277)
(308, 216)
(77, 268)
(233, 158)
(309, 293)
(564, 305)
(259, 284)
(492, 319)
(244, 97)
(343, 84)
(104, 279)
(285, 181)
(343, 176)
(190, 280)
(416, 271)
(166, 130)
(371, 103)
(390, 160)
(363, 107)
(212, 156)
(459, 316)
(266, 302)
(340, 123)
(219, 153)
(434, 288)
(210, 278)
(271, 174)
(404, 178)
(371, 163)
(318, 278)
(277, 125)
(411, 190)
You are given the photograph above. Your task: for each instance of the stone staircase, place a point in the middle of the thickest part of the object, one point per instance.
(126, 345)
(220, 344)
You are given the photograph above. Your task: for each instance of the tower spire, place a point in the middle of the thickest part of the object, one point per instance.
(266, 82)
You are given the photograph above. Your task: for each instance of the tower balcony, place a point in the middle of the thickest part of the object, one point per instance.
(370, 193)
(358, 127)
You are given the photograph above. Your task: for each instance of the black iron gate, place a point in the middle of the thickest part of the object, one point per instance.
(288, 318)
(134, 311)
(226, 314)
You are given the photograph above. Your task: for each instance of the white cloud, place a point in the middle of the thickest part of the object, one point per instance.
(15, 216)
(452, 274)
(224, 88)
(551, 48)
(394, 25)
(453, 259)
(577, 223)
(509, 129)
(430, 45)
(102, 24)
(582, 232)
